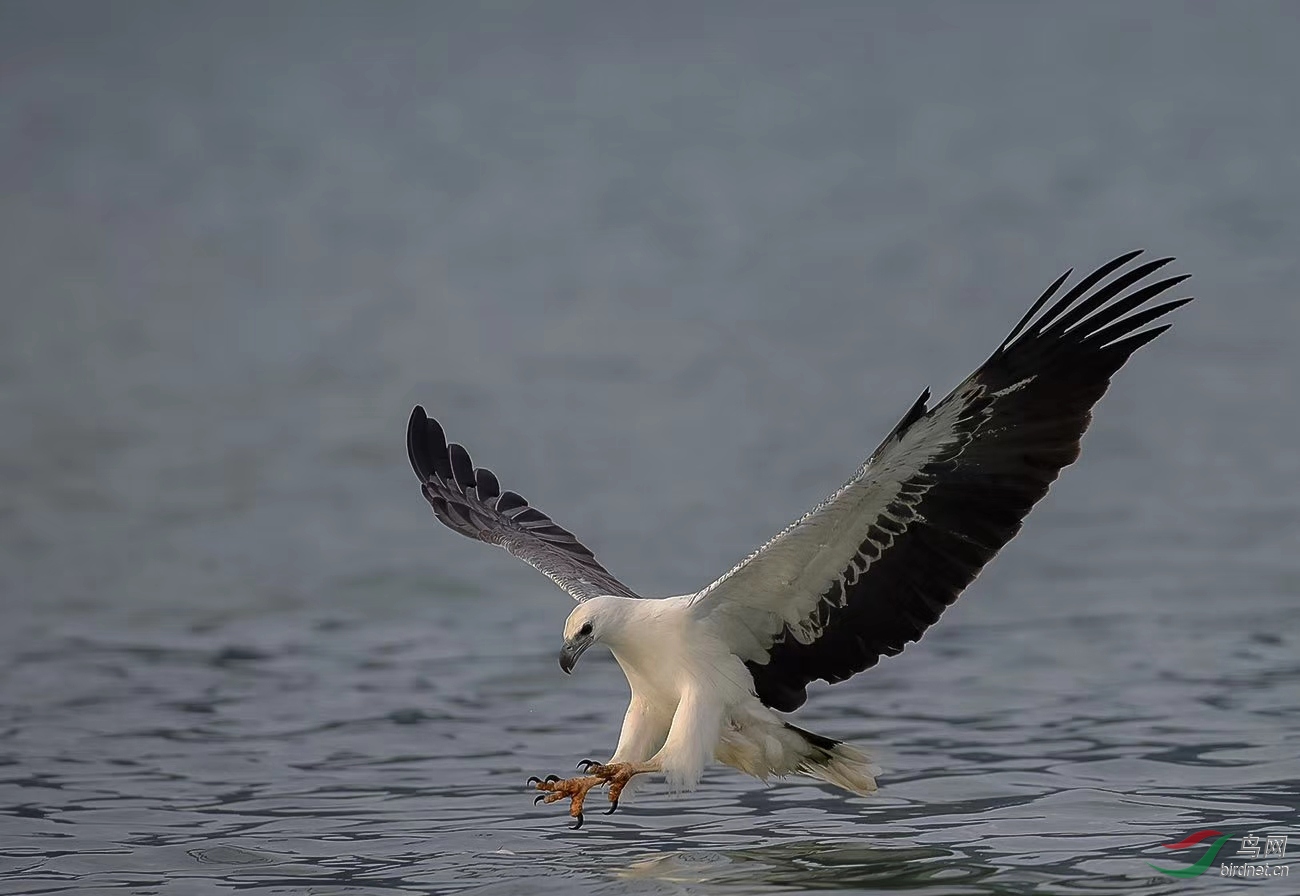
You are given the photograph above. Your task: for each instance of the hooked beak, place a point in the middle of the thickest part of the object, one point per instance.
(570, 653)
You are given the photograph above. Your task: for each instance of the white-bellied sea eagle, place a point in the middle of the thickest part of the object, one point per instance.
(856, 578)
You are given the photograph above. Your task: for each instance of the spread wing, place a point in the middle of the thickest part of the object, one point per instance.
(871, 568)
(469, 500)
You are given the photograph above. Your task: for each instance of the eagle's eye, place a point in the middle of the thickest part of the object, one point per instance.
(585, 630)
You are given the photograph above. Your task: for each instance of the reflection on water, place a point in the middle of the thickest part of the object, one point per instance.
(814, 864)
(671, 276)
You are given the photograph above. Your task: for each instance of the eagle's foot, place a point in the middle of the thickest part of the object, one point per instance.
(555, 788)
(618, 774)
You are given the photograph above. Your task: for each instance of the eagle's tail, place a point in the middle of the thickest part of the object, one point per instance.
(835, 762)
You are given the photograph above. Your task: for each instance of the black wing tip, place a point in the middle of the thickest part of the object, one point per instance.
(462, 466)
(1086, 283)
(1129, 344)
(1095, 304)
(1131, 255)
(1149, 266)
(426, 446)
(416, 442)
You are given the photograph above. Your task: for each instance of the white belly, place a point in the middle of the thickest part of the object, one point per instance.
(690, 680)
(752, 739)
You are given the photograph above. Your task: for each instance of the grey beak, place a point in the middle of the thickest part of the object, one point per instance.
(570, 653)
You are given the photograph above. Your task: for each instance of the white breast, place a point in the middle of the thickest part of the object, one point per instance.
(672, 653)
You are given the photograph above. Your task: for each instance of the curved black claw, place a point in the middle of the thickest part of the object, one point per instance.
(534, 780)
(613, 808)
(586, 764)
(577, 824)
(540, 797)
(550, 778)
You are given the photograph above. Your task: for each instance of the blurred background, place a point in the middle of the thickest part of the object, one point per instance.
(671, 270)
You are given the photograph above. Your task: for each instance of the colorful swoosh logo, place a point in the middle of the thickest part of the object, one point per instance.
(1205, 860)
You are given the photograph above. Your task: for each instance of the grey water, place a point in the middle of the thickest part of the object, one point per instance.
(671, 270)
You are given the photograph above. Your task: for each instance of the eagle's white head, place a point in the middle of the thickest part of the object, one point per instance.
(600, 619)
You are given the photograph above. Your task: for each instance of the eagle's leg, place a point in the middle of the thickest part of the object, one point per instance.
(554, 788)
